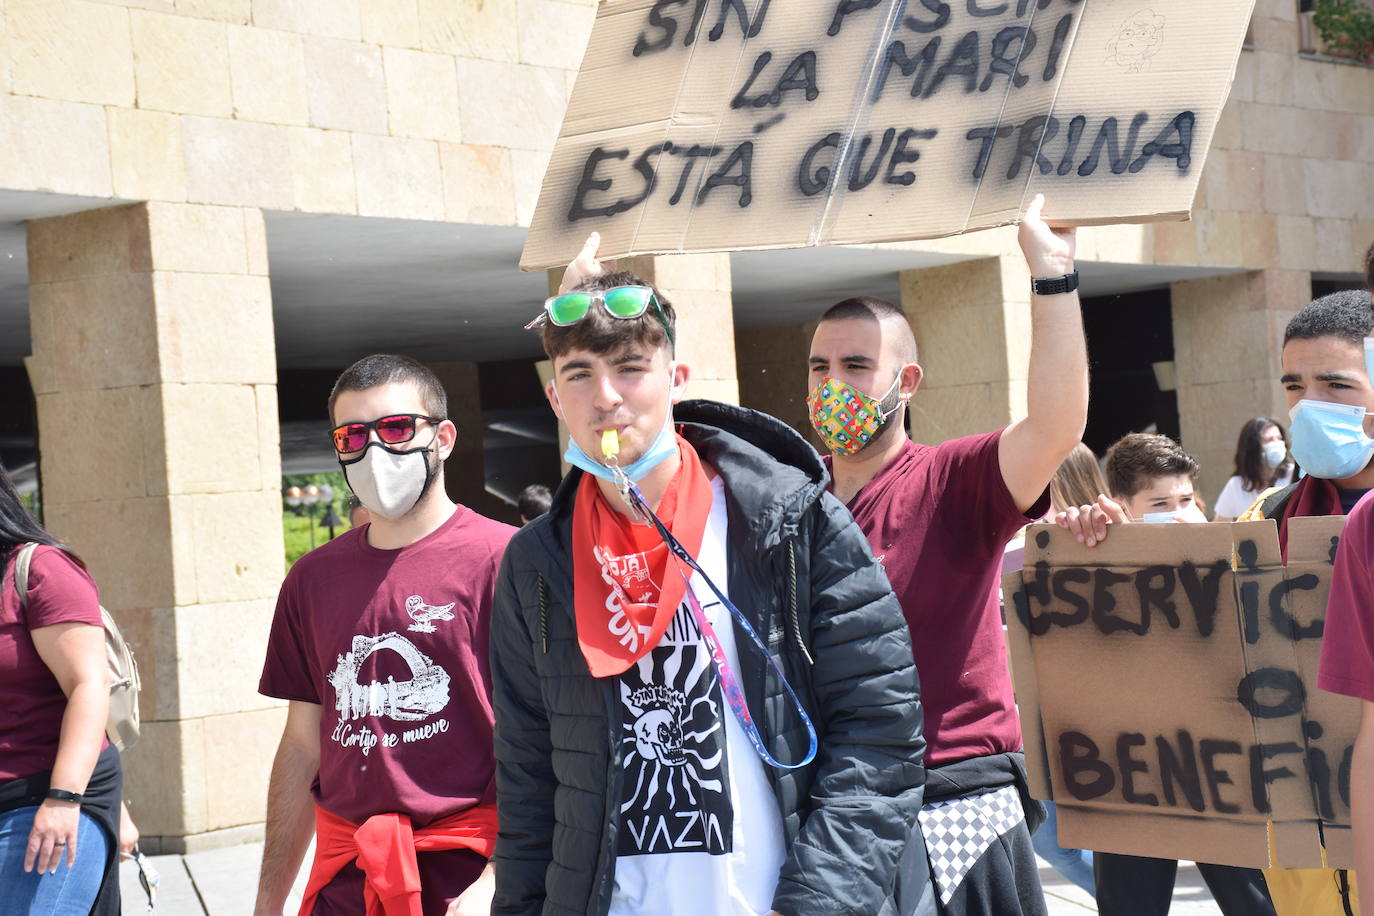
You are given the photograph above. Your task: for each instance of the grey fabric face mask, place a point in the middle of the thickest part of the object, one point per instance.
(389, 482)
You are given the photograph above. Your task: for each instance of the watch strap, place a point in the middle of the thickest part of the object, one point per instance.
(1053, 286)
(63, 795)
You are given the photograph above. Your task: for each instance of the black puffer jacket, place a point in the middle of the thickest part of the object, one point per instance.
(802, 571)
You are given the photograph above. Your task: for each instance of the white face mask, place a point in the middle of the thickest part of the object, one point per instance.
(1275, 452)
(1190, 513)
(387, 482)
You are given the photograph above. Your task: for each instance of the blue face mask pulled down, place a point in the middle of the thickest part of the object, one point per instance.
(663, 446)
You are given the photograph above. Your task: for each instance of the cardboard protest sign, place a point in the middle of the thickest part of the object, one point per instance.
(709, 125)
(1167, 686)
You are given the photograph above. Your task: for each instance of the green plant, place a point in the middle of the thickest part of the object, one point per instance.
(1347, 28)
(302, 525)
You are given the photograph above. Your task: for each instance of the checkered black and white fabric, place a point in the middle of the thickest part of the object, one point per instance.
(960, 830)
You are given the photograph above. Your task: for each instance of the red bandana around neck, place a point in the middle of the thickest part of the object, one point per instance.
(625, 589)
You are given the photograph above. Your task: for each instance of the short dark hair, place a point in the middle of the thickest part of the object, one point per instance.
(534, 501)
(875, 309)
(600, 333)
(391, 369)
(1135, 460)
(1345, 314)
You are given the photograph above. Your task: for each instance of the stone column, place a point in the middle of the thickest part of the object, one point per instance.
(773, 372)
(972, 322)
(698, 285)
(1228, 340)
(154, 369)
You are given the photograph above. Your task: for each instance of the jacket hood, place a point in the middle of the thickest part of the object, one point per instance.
(764, 432)
(772, 474)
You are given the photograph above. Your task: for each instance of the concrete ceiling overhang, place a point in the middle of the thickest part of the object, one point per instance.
(344, 286)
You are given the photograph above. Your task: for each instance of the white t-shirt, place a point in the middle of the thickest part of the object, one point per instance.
(1235, 498)
(700, 830)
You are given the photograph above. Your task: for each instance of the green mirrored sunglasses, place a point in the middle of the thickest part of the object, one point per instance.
(619, 302)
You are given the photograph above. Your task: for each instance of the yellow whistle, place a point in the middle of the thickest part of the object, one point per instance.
(610, 444)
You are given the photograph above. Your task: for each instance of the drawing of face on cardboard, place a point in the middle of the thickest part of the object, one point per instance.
(1140, 38)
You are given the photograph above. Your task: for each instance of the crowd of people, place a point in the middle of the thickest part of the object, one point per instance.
(715, 671)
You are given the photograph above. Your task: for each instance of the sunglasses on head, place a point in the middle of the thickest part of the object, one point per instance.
(392, 430)
(619, 302)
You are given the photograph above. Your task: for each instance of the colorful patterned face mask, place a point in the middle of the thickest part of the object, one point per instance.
(844, 417)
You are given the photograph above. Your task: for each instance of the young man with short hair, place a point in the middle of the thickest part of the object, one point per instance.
(380, 646)
(939, 518)
(728, 727)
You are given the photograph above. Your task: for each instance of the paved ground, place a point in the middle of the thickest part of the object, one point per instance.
(222, 883)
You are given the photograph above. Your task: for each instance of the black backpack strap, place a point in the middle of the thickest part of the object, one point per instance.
(1275, 503)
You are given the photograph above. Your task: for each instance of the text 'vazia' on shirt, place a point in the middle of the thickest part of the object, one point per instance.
(700, 830)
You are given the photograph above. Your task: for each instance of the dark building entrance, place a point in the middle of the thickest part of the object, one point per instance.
(1127, 336)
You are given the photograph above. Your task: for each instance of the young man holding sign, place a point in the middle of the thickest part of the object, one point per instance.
(938, 519)
(705, 697)
(1330, 396)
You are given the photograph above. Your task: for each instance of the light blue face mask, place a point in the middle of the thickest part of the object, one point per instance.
(1328, 438)
(663, 446)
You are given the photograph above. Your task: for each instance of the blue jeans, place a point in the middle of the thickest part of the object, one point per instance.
(1076, 865)
(65, 892)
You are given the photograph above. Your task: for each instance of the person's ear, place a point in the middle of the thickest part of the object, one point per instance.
(551, 393)
(911, 380)
(680, 374)
(447, 438)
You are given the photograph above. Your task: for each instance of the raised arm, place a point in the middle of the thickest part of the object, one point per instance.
(1032, 449)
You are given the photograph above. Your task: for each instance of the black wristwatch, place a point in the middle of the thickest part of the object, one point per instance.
(1053, 286)
(63, 795)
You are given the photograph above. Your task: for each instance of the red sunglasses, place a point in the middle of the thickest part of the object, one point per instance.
(392, 430)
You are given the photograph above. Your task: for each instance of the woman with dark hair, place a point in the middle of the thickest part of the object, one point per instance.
(1262, 461)
(60, 779)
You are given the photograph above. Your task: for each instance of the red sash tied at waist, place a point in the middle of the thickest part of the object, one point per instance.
(385, 846)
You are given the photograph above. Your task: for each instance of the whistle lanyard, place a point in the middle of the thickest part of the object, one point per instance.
(729, 684)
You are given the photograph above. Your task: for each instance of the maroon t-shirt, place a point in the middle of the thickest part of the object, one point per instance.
(938, 518)
(1347, 660)
(392, 644)
(31, 701)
